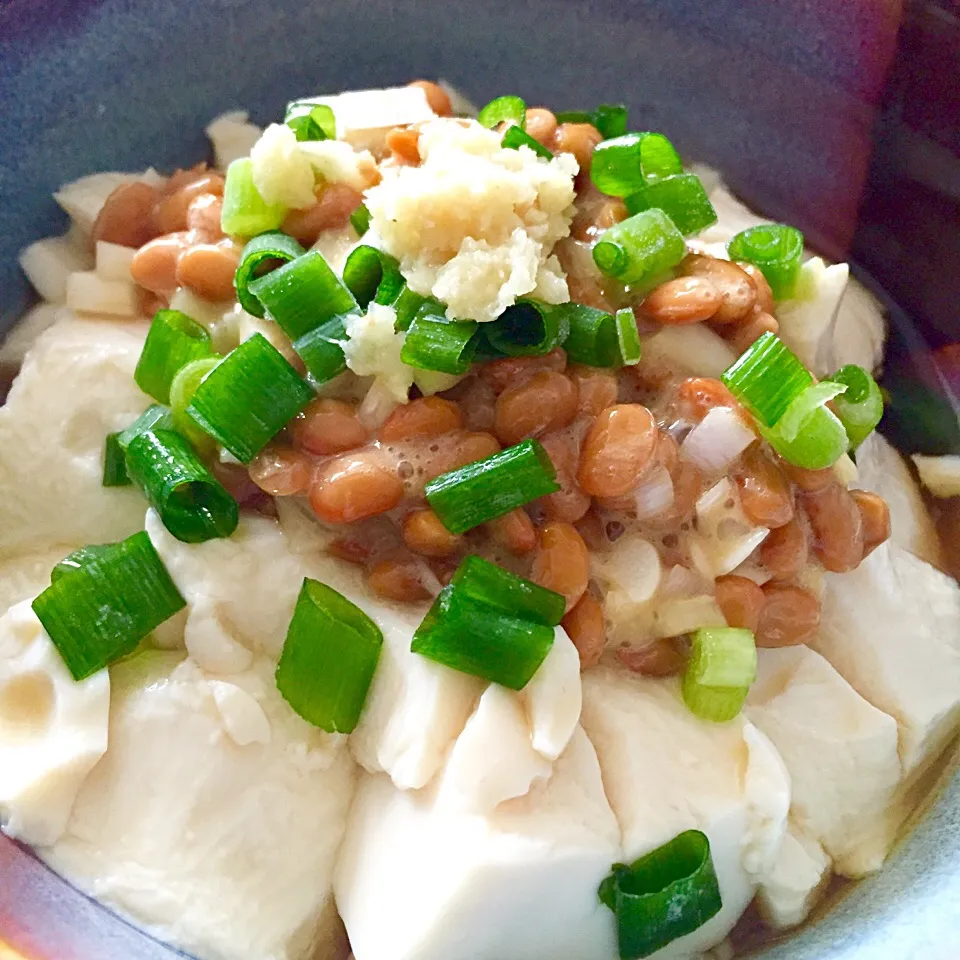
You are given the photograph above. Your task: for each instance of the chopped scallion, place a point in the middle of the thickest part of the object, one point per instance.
(722, 665)
(408, 304)
(174, 339)
(504, 110)
(516, 137)
(767, 378)
(74, 561)
(249, 398)
(861, 407)
(100, 611)
(360, 219)
(665, 895)
(193, 505)
(435, 343)
(372, 276)
(610, 119)
(681, 197)
(260, 255)
(321, 350)
(622, 165)
(777, 249)
(245, 213)
(303, 294)
(328, 659)
(628, 336)
(481, 491)
(114, 463)
(182, 389)
(594, 337)
(574, 116)
(639, 247)
(810, 435)
(487, 583)
(310, 120)
(154, 417)
(475, 638)
(529, 328)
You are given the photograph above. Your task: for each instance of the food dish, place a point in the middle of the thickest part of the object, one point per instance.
(520, 247)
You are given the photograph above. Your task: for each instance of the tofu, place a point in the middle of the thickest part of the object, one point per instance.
(552, 698)
(75, 387)
(940, 475)
(881, 469)
(230, 851)
(892, 629)
(53, 730)
(418, 881)
(840, 752)
(23, 577)
(241, 593)
(789, 891)
(666, 771)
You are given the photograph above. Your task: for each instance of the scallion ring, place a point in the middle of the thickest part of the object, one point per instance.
(173, 340)
(261, 254)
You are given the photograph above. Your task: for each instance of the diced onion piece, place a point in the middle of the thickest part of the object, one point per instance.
(631, 567)
(724, 536)
(99, 612)
(48, 263)
(715, 442)
(664, 895)
(693, 349)
(655, 494)
(677, 616)
(328, 659)
(88, 292)
(113, 260)
(722, 665)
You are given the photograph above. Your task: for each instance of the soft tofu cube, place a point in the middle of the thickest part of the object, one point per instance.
(417, 880)
(221, 848)
(840, 751)
(53, 730)
(666, 771)
(892, 629)
(794, 883)
(75, 387)
(364, 116)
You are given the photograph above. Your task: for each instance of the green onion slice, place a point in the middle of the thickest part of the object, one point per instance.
(481, 491)
(767, 378)
(328, 659)
(172, 341)
(154, 417)
(504, 110)
(474, 637)
(260, 255)
(777, 249)
(861, 407)
(594, 337)
(681, 197)
(574, 116)
(101, 610)
(114, 463)
(622, 165)
(372, 276)
(74, 561)
(529, 328)
(487, 583)
(310, 120)
(639, 247)
(321, 350)
(408, 304)
(628, 336)
(360, 219)
(249, 398)
(182, 389)
(516, 137)
(245, 213)
(303, 294)
(610, 119)
(722, 665)
(663, 896)
(809, 435)
(193, 505)
(435, 343)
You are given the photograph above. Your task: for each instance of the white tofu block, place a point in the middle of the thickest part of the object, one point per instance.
(53, 730)
(75, 387)
(88, 292)
(47, 264)
(22, 337)
(666, 771)
(230, 849)
(552, 698)
(840, 751)
(25, 575)
(881, 469)
(794, 884)
(416, 881)
(892, 629)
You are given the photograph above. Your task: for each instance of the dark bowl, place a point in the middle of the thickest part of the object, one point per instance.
(787, 99)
